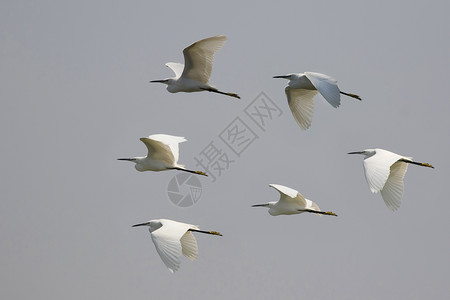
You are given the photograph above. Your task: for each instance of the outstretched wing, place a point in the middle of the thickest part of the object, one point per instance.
(301, 104)
(177, 68)
(326, 86)
(158, 151)
(167, 242)
(163, 147)
(171, 141)
(378, 167)
(199, 56)
(189, 245)
(392, 191)
(288, 195)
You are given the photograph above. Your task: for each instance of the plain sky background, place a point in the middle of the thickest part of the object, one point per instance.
(75, 96)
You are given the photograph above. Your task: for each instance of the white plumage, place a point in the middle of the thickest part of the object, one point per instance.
(385, 171)
(194, 75)
(162, 154)
(302, 88)
(291, 202)
(173, 239)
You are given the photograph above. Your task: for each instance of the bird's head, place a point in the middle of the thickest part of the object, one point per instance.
(367, 152)
(138, 161)
(153, 225)
(132, 159)
(170, 82)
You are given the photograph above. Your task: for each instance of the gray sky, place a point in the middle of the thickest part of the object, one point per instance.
(75, 96)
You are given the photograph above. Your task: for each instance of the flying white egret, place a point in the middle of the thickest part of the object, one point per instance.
(172, 239)
(302, 88)
(162, 154)
(194, 75)
(291, 202)
(385, 171)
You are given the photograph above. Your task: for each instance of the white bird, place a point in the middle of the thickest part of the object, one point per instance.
(194, 75)
(172, 239)
(302, 88)
(385, 171)
(291, 202)
(162, 154)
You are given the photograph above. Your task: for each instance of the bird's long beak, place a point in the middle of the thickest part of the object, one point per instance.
(282, 76)
(159, 80)
(357, 152)
(142, 224)
(127, 159)
(260, 205)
